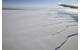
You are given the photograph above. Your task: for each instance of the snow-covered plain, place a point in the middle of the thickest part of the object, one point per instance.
(44, 29)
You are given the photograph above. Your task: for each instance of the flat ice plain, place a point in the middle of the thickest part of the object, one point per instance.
(43, 29)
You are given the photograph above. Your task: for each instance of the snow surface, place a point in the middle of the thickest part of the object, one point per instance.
(43, 29)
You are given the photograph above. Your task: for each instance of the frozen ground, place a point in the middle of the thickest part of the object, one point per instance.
(48, 29)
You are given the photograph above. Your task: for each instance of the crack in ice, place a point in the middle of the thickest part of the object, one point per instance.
(65, 41)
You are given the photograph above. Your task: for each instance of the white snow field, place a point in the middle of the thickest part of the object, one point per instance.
(45, 29)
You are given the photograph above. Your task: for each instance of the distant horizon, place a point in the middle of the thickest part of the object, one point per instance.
(36, 3)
